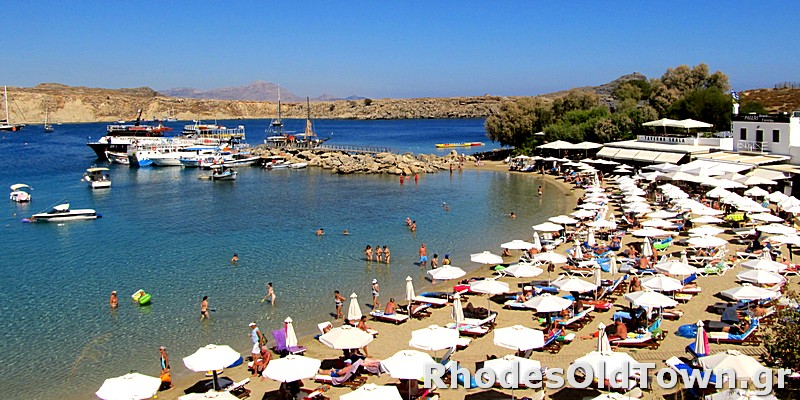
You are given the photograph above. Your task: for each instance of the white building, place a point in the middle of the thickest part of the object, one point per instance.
(777, 134)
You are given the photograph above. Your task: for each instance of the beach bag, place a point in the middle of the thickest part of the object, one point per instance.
(687, 331)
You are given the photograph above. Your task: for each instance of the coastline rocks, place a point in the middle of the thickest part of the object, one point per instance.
(382, 163)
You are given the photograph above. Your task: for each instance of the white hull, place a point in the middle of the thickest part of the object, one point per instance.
(100, 184)
(20, 196)
(172, 160)
(298, 165)
(117, 158)
(244, 162)
(63, 213)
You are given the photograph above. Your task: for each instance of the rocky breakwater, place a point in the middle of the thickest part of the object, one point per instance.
(381, 163)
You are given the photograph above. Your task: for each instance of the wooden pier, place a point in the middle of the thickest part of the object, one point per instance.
(344, 148)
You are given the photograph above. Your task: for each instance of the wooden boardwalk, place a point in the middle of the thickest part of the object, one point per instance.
(344, 148)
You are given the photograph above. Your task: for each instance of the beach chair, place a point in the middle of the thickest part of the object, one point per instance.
(432, 301)
(749, 337)
(396, 319)
(280, 344)
(678, 365)
(238, 389)
(349, 379)
(551, 343)
(323, 328)
(641, 342)
(417, 310)
(579, 320)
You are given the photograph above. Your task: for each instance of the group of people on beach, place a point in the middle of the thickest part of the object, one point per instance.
(379, 254)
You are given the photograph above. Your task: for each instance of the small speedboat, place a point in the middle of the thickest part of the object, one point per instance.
(118, 158)
(222, 173)
(62, 212)
(97, 178)
(20, 193)
(299, 165)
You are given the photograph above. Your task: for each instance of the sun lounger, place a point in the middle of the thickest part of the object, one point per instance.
(433, 301)
(572, 271)
(551, 343)
(473, 327)
(396, 319)
(748, 338)
(280, 344)
(672, 315)
(238, 389)
(645, 341)
(677, 365)
(341, 380)
(579, 320)
(416, 310)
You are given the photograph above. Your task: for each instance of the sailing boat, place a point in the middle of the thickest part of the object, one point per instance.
(47, 127)
(275, 134)
(309, 137)
(5, 125)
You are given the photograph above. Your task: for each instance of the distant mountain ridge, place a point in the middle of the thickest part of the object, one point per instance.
(253, 91)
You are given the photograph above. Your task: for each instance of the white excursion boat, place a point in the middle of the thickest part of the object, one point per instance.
(62, 212)
(97, 178)
(20, 193)
(118, 158)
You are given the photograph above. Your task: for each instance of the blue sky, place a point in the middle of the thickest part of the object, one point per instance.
(391, 49)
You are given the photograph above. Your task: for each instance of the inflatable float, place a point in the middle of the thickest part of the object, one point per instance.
(141, 297)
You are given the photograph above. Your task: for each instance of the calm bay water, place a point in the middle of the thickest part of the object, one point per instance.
(172, 234)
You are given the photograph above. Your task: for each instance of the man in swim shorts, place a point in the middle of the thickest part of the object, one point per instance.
(375, 293)
(423, 255)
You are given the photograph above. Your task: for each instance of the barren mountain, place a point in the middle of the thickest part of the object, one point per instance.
(254, 91)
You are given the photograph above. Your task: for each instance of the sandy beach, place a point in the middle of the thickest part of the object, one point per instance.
(393, 338)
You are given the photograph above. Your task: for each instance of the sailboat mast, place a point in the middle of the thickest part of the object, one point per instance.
(280, 121)
(5, 97)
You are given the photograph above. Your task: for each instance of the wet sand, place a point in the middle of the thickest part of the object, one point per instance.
(393, 338)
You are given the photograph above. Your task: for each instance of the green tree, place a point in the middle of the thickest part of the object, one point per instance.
(632, 90)
(367, 102)
(516, 121)
(574, 100)
(708, 105)
(678, 82)
(752, 107)
(783, 348)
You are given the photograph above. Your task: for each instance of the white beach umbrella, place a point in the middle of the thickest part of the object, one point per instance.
(371, 391)
(609, 364)
(523, 270)
(631, 198)
(707, 219)
(549, 256)
(745, 368)
(577, 251)
(546, 303)
(765, 217)
(659, 223)
(701, 340)
(661, 283)
(407, 364)
(603, 345)
(486, 257)
(518, 245)
(786, 239)
(292, 368)
(446, 272)
(574, 285)
(732, 198)
(590, 240)
(703, 210)
(489, 286)
(602, 223)
(291, 337)
(353, 309)
(612, 265)
(650, 299)
(718, 193)
(760, 277)
(651, 232)
(563, 219)
(133, 386)
(433, 338)
(777, 229)
(458, 311)
(662, 214)
(583, 214)
(210, 395)
(756, 191)
(547, 227)
(346, 337)
(211, 358)
(764, 265)
(537, 243)
(590, 206)
(518, 338)
(705, 230)
(790, 202)
(706, 241)
(777, 197)
(671, 267)
(410, 290)
(647, 247)
(757, 180)
(749, 293)
(503, 366)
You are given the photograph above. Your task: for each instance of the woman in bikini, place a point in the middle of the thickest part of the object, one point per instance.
(368, 253)
(378, 254)
(386, 253)
(338, 299)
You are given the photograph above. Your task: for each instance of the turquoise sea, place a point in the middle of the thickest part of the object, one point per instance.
(167, 232)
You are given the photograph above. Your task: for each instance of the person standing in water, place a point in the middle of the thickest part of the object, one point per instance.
(235, 258)
(387, 254)
(113, 301)
(204, 308)
(540, 191)
(368, 253)
(270, 294)
(423, 255)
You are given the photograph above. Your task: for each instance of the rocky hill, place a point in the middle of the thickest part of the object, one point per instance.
(83, 104)
(253, 91)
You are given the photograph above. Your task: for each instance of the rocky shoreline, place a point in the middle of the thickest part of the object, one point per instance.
(340, 162)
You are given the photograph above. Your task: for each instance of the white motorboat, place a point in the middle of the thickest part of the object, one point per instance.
(62, 212)
(276, 162)
(299, 165)
(20, 193)
(97, 177)
(173, 158)
(240, 160)
(118, 158)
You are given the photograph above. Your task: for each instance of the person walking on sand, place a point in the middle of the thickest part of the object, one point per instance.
(386, 253)
(113, 301)
(423, 256)
(256, 337)
(166, 378)
(338, 300)
(375, 293)
(204, 308)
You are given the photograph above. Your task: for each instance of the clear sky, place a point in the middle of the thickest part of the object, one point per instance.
(392, 48)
